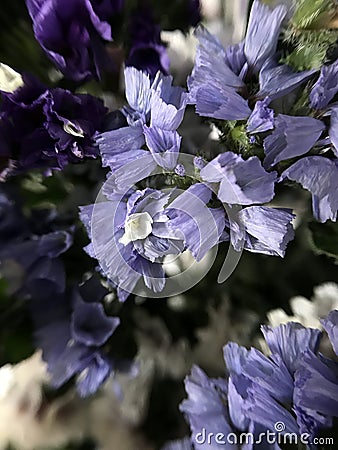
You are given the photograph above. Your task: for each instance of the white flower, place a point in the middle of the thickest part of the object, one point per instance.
(10, 80)
(137, 226)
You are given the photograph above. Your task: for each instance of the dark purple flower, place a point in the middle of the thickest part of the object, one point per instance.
(147, 53)
(29, 256)
(319, 176)
(194, 12)
(292, 136)
(70, 331)
(242, 182)
(72, 32)
(72, 121)
(49, 128)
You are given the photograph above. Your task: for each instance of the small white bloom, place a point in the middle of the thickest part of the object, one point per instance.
(137, 226)
(10, 80)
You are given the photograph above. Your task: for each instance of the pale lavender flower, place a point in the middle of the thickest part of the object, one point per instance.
(262, 33)
(319, 176)
(242, 182)
(292, 136)
(261, 118)
(325, 87)
(263, 230)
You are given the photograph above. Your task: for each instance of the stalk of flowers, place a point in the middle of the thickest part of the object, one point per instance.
(295, 385)
(266, 108)
(145, 139)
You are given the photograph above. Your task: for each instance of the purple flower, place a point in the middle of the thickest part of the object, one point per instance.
(211, 65)
(155, 111)
(133, 246)
(147, 52)
(333, 130)
(242, 182)
(71, 328)
(319, 176)
(275, 81)
(206, 406)
(292, 385)
(316, 384)
(131, 234)
(180, 170)
(263, 230)
(71, 32)
(29, 253)
(315, 399)
(50, 128)
(325, 87)
(290, 341)
(200, 226)
(72, 121)
(221, 103)
(292, 136)
(217, 86)
(262, 117)
(164, 146)
(262, 33)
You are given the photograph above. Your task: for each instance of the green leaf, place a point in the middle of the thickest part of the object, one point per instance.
(325, 238)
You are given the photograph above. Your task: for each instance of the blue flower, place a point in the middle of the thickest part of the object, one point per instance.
(132, 233)
(325, 87)
(292, 136)
(242, 182)
(262, 33)
(219, 85)
(319, 176)
(292, 385)
(262, 230)
(155, 111)
(261, 118)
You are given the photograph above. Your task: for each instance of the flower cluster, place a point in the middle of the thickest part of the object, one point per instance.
(47, 128)
(295, 385)
(248, 90)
